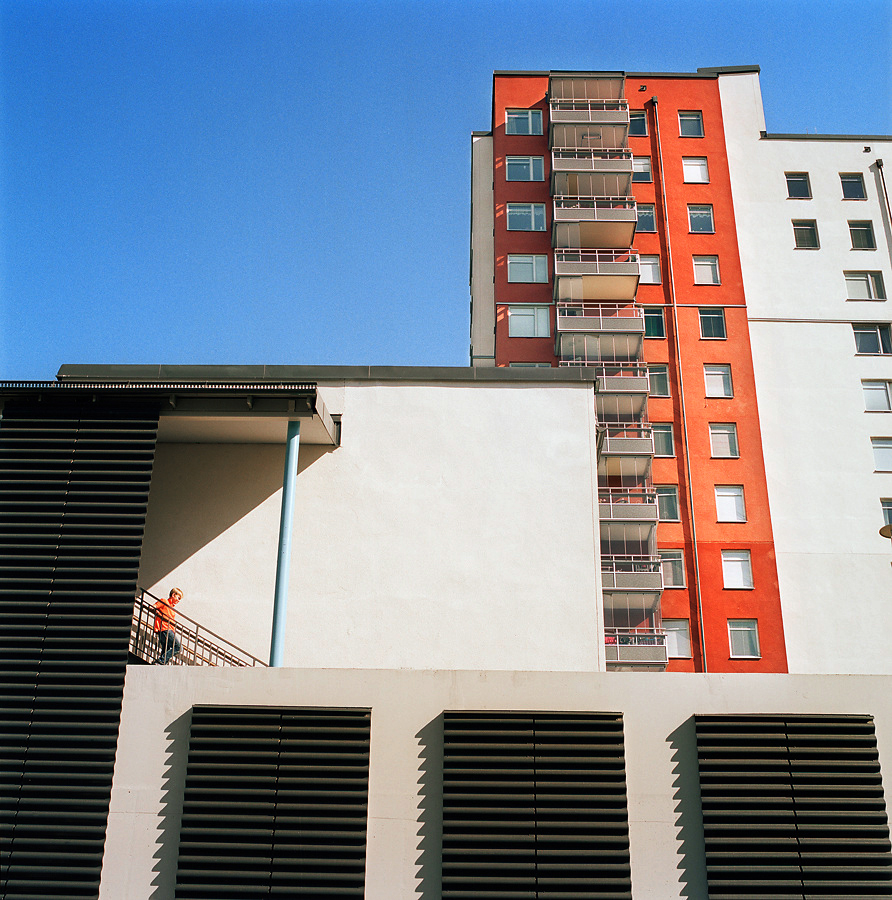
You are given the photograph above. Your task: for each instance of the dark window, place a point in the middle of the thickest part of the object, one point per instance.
(862, 235)
(637, 123)
(690, 124)
(647, 220)
(805, 234)
(712, 323)
(798, 186)
(654, 322)
(873, 339)
(853, 186)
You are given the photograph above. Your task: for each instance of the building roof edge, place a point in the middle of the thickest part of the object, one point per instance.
(766, 136)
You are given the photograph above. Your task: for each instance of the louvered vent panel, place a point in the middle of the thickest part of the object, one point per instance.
(74, 483)
(534, 805)
(276, 802)
(793, 807)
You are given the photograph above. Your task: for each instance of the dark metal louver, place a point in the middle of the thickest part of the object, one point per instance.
(534, 805)
(275, 803)
(74, 484)
(793, 807)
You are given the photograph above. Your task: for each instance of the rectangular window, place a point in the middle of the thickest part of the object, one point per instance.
(658, 381)
(862, 235)
(872, 339)
(678, 638)
(523, 121)
(649, 269)
(524, 168)
(700, 219)
(876, 396)
(641, 169)
(526, 268)
(852, 186)
(886, 506)
(805, 234)
(737, 569)
(723, 440)
(729, 505)
(672, 566)
(667, 502)
(882, 454)
(690, 124)
(647, 220)
(743, 637)
(718, 381)
(798, 186)
(529, 321)
(706, 270)
(664, 439)
(637, 123)
(654, 322)
(695, 169)
(526, 217)
(865, 286)
(712, 323)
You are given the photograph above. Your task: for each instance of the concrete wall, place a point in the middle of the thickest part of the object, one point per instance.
(405, 781)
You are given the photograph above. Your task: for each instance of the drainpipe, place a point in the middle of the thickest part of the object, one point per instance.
(283, 562)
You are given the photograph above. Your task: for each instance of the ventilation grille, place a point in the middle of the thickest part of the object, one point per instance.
(275, 803)
(793, 807)
(534, 805)
(74, 484)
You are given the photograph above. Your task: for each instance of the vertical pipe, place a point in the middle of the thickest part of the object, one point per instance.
(283, 562)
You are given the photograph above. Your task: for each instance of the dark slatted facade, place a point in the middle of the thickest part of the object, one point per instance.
(793, 808)
(74, 484)
(276, 803)
(534, 806)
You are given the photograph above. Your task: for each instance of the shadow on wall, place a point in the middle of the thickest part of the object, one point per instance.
(430, 812)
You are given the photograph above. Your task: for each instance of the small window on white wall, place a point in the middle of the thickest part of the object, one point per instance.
(729, 505)
(678, 638)
(743, 636)
(877, 396)
(737, 569)
(649, 267)
(528, 321)
(882, 454)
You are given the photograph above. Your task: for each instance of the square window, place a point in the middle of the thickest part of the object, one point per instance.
(637, 123)
(526, 217)
(678, 638)
(737, 569)
(743, 637)
(529, 321)
(865, 286)
(667, 502)
(695, 169)
(718, 381)
(852, 186)
(672, 566)
(690, 124)
(664, 440)
(706, 270)
(712, 323)
(798, 186)
(641, 169)
(658, 380)
(649, 269)
(876, 396)
(862, 235)
(882, 454)
(647, 220)
(872, 339)
(805, 234)
(654, 322)
(887, 511)
(523, 121)
(700, 219)
(524, 168)
(729, 505)
(723, 440)
(526, 268)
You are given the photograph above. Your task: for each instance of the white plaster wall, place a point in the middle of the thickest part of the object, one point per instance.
(455, 527)
(483, 311)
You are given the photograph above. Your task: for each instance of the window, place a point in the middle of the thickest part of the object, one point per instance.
(876, 396)
(718, 381)
(667, 502)
(658, 381)
(798, 186)
(525, 268)
(887, 511)
(695, 169)
(649, 269)
(672, 566)
(690, 124)
(678, 638)
(637, 123)
(743, 636)
(654, 322)
(664, 442)
(882, 454)
(526, 217)
(523, 121)
(862, 235)
(700, 219)
(729, 505)
(805, 234)
(872, 339)
(737, 569)
(528, 321)
(723, 440)
(641, 169)
(852, 186)
(647, 220)
(712, 323)
(865, 286)
(706, 270)
(524, 168)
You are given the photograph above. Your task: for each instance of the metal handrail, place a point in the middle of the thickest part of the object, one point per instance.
(578, 308)
(580, 202)
(589, 104)
(630, 563)
(636, 637)
(596, 256)
(626, 495)
(628, 431)
(591, 153)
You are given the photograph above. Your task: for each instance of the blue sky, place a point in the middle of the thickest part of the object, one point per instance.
(287, 181)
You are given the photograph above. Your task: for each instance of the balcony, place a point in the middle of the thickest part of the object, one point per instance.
(632, 574)
(591, 183)
(601, 330)
(636, 648)
(627, 440)
(608, 160)
(588, 137)
(623, 505)
(595, 112)
(592, 222)
(595, 274)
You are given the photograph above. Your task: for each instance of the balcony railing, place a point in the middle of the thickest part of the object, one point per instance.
(608, 112)
(595, 209)
(636, 646)
(631, 573)
(596, 262)
(632, 440)
(616, 159)
(578, 316)
(621, 504)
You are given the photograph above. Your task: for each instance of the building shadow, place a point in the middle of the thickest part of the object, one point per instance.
(430, 811)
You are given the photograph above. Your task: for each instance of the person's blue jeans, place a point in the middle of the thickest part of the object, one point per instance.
(169, 645)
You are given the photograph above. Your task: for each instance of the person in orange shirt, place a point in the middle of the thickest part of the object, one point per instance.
(165, 625)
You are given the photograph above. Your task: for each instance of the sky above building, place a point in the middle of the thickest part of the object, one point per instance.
(288, 181)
